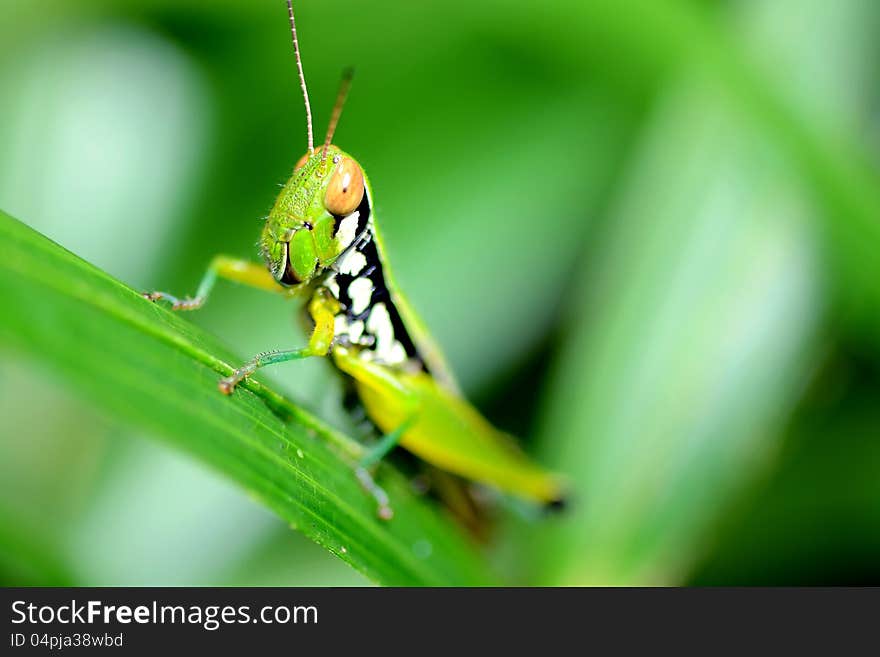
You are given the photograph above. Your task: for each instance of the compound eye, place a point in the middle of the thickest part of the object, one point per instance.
(302, 162)
(345, 189)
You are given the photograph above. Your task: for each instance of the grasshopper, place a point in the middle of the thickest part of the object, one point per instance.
(321, 241)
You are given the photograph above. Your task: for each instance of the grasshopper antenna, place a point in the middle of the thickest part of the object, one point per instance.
(344, 86)
(302, 78)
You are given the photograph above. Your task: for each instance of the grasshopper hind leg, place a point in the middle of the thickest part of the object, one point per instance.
(368, 431)
(371, 459)
(368, 483)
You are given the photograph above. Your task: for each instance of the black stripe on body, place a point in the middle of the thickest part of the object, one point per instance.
(381, 293)
(372, 269)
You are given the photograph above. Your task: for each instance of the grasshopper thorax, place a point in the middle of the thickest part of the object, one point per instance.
(317, 216)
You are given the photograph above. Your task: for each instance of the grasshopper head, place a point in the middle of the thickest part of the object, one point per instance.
(315, 217)
(317, 214)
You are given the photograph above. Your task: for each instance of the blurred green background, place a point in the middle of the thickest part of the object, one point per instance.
(646, 232)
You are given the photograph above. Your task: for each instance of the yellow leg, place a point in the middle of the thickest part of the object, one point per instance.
(232, 269)
(322, 308)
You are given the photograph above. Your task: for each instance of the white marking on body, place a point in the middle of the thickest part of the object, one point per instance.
(379, 324)
(397, 354)
(348, 229)
(351, 263)
(333, 286)
(388, 349)
(355, 331)
(360, 290)
(340, 325)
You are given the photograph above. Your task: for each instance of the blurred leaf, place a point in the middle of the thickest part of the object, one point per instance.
(28, 558)
(814, 519)
(269, 564)
(694, 332)
(646, 41)
(159, 372)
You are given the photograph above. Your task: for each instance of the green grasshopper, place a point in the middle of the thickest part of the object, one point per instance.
(321, 241)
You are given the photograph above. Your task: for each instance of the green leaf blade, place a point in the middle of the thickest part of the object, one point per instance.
(159, 372)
